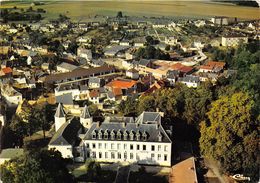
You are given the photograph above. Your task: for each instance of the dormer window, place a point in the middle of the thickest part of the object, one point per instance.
(118, 135)
(159, 137)
(100, 134)
(131, 135)
(144, 136)
(106, 135)
(125, 135)
(112, 135)
(94, 135)
(138, 135)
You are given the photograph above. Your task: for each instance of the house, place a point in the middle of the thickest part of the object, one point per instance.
(11, 96)
(132, 73)
(84, 53)
(10, 153)
(233, 40)
(97, 62)
(123, 139)
(172, 76)
(95, 82)
(212, 66)
(66, 67)
(123, 86)
(171, 40)
(7, 71)
(154, 87)
(124, 42)
(94, 96)
(76, 91)
(111, 51)
(190, 81)
(183, 69)
(222, 20)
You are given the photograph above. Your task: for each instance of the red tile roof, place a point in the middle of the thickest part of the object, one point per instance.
(7, 70)
(182, 68)
(94, 93)
(123, 84)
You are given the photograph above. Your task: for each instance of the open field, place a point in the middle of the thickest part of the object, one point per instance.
(79, 10)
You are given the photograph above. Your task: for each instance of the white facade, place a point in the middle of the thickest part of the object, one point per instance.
(2, 120)
(132, 74)
(150, 153)
(233, 41)
(11, 96)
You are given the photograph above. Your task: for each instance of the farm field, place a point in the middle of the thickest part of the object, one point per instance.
(78, 10)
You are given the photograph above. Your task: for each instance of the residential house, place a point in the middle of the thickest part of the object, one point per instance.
(132, 73)
(183, 69)
(66, 67)
(84, 53)
(190, 81)
(97, 62)
(94, 96)
(95, 82)
(11, 96)
(172, 76)
(212, 66)
(171, 40)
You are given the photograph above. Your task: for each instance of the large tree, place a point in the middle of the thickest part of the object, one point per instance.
(230, 136)
(45, 166)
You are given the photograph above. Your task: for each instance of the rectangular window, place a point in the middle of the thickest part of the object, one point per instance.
(137, 157)
(100, 154)
(152, 156)
(125, 146)
(138, 147)
(112, 146)
(106, 155)
(93, 154)
(99, 145)
(118, 146)
(159, 157)
(93, 145)
(105, 145)
(165, 148)
(131, 156)
(165, 157)
(112, 155)
(159, 147)
(144, 147)
(131, 146)
(87, 145)
(118, 155)
(125, 155)
(153, 148)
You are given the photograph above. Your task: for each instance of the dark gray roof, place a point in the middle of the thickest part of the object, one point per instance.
(148, 123)
(149, 117)
(67, 133)
(144, 62)
(190, 78)
(65, 99)
(94, 80)
(85, 113)
(99, 62)
(60, 112)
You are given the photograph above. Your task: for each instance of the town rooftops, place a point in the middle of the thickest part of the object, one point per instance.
(79, 73)
(7, 70)
(67, 133)
(190, 79)
(122, 83)
(181, 68)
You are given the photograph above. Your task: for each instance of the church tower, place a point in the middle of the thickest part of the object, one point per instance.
(60, 117)
(85, 118)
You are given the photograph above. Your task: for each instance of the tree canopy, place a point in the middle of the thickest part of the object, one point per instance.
(46, 166)
(230, 136)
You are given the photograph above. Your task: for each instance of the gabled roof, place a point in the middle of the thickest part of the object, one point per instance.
(67, 133)
(85, 113)
(65, 99)
(149, 117)
(7, 70)
(123, 84)
(60, 112)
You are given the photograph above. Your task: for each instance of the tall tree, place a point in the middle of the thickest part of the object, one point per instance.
(230, 134)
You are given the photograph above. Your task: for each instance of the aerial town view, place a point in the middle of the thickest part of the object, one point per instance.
(129, 91)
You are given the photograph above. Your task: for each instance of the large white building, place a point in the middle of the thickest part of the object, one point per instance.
(233, 41)
(117, 139)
